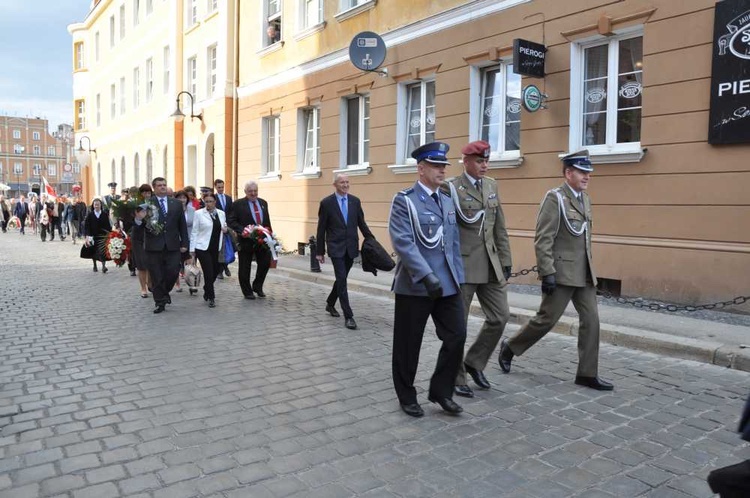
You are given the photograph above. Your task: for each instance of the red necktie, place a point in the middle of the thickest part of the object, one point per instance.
(258, 219)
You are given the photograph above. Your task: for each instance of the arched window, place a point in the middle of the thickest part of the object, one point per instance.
(136, 170)
(166, 159)
(98, 177)
(122, 172)
(149, 166)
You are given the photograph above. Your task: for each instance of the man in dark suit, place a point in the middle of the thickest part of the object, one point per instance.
(339, 216)
(21, 210)
(163, 246)
(223, 202)
(251, 211)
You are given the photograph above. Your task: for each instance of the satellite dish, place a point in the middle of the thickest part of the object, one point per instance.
(367, 51)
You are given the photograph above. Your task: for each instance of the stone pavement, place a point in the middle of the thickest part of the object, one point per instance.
(101, 398)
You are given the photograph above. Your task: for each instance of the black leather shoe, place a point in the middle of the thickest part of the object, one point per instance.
(220, 276)
(412, 409)
(160, 308)
(227, 272)
(505, 356)
(447, 404)
(249, 296)
(169, 299)
(332, 311)
(594, 383)
(104, 269)
(259, 292)
(211, 303)
(478, 376)
(132, 272)
(464, 391)
(350, 324)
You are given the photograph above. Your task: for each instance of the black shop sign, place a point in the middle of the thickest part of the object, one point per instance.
(528, 58)
(729, 116)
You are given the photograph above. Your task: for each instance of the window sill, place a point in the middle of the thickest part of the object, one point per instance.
(304, 175)
(354, 11)
(211, 15)
(629, 155)
(355, 170)
(270, 49)
(310, 31)
(190, 29)
(403, 169)
(273, 176)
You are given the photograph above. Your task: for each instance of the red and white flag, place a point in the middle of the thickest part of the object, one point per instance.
(49, 190)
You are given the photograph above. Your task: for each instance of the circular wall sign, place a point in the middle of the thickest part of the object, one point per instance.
(367, 51)
(531, 98)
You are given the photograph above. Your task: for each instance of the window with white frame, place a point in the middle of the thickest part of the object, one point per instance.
(51, 150)
(192, 75)
(167, 61)
(149, 79)
(37, 169)
(16, 134)
(96, 46)
(18, 149)
(122, 96)
(112, 101)
(136, 11)
(500, 109)
(356, 132)
(80, 114)
(308, 120)
(77, 168)
(37, 150)
(311, 13)
(149, 6)
(192, 13)
(211, 61)
(211, 6)
(271, 144)
(606, 85)
(52, 169)
(98, 109)
(136, 87)
(35, 135)
(122, 21)
(420, 115)
(79, 56)
(111, 31)
(271, 22)
(18, 168)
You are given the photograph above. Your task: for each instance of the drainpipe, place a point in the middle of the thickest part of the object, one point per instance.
(235, 99)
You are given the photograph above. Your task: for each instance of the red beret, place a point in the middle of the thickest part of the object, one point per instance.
(476, 148)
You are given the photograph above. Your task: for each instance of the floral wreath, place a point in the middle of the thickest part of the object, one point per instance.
(263, 237)
(117, 247)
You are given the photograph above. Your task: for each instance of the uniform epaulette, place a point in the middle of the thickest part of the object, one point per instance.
(444, 193)
(407, 191)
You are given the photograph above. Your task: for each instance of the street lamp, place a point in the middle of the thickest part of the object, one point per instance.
(83, 156)
(178, 115)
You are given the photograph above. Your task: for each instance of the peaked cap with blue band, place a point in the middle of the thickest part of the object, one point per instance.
(433, 153)
(579, 160)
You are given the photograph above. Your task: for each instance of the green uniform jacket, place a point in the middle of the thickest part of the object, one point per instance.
(489, 250)
(558, 250)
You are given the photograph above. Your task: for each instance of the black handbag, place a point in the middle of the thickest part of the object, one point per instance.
(88, 252)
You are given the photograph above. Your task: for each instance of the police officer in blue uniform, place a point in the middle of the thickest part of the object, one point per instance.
(427, 283)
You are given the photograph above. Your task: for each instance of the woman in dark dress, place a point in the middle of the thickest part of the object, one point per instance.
(139, 252)
(97, 227)
(209, 227)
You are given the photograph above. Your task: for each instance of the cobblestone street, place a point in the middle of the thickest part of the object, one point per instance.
(101, 398)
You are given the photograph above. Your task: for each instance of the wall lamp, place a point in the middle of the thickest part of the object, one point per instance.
(178, 115)
(82, 154)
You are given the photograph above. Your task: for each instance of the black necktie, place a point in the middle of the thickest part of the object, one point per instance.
(581, 203)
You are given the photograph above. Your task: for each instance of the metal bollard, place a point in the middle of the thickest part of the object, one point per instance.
(314, 264)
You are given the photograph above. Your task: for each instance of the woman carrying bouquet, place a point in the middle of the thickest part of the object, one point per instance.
(209, 227)
(97, 228)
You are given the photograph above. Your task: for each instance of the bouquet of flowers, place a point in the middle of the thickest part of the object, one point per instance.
(117, 247)
(263, 237)
(151, 220)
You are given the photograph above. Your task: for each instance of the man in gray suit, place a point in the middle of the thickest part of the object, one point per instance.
(563, 254)
(428, 279)
(485, 250)
(164, 243)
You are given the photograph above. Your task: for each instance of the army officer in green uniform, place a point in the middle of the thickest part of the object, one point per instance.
(563, 255)
(485, 251)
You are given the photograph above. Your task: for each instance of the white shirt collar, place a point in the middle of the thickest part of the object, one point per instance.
(426, 188)
(471, 179)
(575, 194)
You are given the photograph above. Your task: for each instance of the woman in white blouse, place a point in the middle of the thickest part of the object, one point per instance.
(207, 235)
